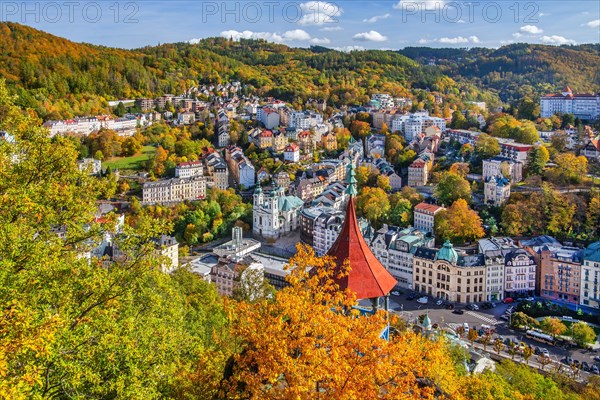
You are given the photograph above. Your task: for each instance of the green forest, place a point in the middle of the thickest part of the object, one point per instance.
(59, 79)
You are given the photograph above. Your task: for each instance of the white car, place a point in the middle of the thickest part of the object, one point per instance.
(529, 299)
(439, 302)
(395, 293)
(423, 300)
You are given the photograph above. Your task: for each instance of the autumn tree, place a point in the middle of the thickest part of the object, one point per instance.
(553, 326)
(527, 353)
(458, 223)
(373, 204)
(498, 345)
(360, 129)
(593, 216)
(569, 168)
(487, 146)
(538, 156)
(309, 342)
(452, 187)
(582, 333)
(401, 213)
(71, 326)
(521, 320)
(472, 336)
(343, 137)
(383, 182)
(158, 164)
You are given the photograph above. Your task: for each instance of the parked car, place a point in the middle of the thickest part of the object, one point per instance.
(474, 307)
(545, 352)
(529, 299)
(595, 370)
(439, 302)
(395, 293)
(411, 297)
(508, 300)
(423, 300)
(458, 311)
(537, 351)
(585, 366)
(449, 306)
(597, 358)
(466, 328)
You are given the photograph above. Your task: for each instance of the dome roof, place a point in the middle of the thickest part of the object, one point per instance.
(447, 253)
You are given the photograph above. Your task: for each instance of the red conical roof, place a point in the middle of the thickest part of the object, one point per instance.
(367, 277)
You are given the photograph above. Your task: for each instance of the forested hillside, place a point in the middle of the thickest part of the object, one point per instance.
(59, 78)
(518, 70)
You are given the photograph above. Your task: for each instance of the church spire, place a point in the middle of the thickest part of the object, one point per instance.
(351, 190)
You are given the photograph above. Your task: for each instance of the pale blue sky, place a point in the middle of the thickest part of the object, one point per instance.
(341, 24)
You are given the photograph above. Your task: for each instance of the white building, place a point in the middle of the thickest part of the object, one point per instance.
(394, 248)
(186, 118)
(269, 117)
(275, 214)
(93, 166)
(168, 249)
(519, 273)
(494, 167)
(303, 120)
(496, 190)
(188, 169)
(291, 153)
(175, 190)
(590, 276)
(424, 217)
(241, 170)
(584, 106)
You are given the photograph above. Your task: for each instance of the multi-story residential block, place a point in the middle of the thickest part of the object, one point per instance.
(560, 270)
(424, 217)
(519, 273)
(590, 276)
(518, 152)
(418, 173)
(189, 169)
(591, 149)
(309, 188)
(269, 117)
(145, 104)
(280, 140)
(175, 190)
(282, 179)
(304, 119)
(376, 145)
(168, 249)
(394, 247)
(446, 275)
(495, 251)
(241, 170)
(333, 196)
(329, 141)
(216, 170)
(186, 118)
(265, 139)
(496, 190)
(275, 214)
(584, 106)
(291, 153)
(497, 166)
(305, 140)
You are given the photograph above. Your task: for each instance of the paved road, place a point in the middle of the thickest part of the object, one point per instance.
(411, 310)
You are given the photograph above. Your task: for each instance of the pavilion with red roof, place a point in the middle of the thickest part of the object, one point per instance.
(367, 277)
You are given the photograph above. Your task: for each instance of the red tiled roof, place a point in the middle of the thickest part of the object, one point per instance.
(432, 208)
(292, 147)
(367, 277)
(266, 133)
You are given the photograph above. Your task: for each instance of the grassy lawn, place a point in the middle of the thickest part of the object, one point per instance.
(133, 162)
